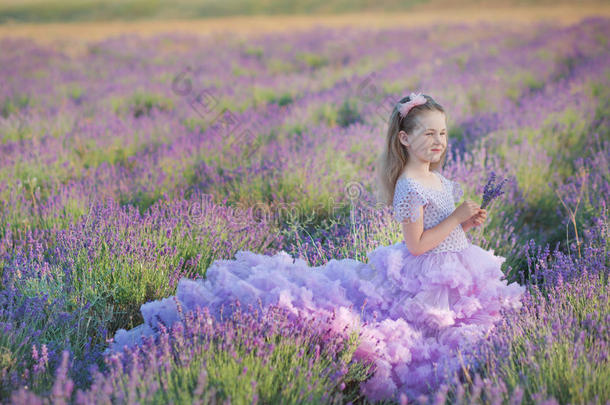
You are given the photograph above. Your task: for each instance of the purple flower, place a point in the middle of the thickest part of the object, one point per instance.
(492, 190)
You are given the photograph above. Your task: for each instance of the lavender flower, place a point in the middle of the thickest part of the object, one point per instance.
(103, 209)
(492, 190)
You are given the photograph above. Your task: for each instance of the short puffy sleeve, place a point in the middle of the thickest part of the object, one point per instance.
(457, 191)
(407, 199)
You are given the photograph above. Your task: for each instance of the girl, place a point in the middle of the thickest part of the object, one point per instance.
(423, 299)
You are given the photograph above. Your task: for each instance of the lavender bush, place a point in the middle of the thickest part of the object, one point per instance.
(122, 170)
(267, 356)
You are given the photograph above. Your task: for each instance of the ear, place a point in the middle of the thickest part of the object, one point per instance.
(402, 137)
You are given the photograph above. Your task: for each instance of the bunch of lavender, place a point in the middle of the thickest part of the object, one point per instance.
(491, 190)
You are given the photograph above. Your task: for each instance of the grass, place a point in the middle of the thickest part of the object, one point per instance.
(101, 287)
(546, 351)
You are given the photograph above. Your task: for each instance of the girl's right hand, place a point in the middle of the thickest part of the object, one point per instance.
(466, 210)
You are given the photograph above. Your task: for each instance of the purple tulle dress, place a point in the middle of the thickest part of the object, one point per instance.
(413, 312)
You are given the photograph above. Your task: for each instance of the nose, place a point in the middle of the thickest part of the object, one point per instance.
(438, 139)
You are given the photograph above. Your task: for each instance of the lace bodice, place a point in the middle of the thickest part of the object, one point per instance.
(409, 194)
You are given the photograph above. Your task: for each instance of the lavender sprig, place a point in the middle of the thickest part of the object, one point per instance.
(492, 190)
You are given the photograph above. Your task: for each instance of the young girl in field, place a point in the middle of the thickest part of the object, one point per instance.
(416, 303)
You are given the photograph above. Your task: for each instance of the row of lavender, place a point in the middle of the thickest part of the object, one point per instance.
(142, 161)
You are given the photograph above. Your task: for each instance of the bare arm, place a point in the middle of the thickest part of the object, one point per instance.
(419, 241)
(467, 225)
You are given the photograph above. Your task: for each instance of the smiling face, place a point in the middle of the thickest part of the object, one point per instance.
(428, 140)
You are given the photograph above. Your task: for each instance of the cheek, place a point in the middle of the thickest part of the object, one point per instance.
(421, 144)
(428, 142)
(422, 141)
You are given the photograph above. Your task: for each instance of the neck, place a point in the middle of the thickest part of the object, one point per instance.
(418, 167)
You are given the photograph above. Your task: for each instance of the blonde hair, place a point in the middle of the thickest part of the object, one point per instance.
(394, 155)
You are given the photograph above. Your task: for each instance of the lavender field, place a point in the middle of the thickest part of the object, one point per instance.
(143, 160)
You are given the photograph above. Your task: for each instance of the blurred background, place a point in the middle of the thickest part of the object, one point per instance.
(70, 24)
(126, 10)
(212, 15)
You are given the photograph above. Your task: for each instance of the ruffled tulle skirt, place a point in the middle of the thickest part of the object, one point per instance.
(414, 313)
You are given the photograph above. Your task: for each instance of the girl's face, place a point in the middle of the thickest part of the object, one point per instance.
(429, 138)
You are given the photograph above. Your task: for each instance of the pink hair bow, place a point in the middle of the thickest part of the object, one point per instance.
(414, 99)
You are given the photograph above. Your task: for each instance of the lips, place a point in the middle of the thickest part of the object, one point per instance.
(436, 150)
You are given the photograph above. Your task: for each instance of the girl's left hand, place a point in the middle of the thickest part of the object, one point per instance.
(478, 218)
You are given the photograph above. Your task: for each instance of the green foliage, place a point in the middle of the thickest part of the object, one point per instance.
(76, 92)
(16, 348)
(276, 65)
(477, 100)
(398, 85)
(218, 371)
(15, 131)
(325, 113)
(196, 124)
(14, 104)
(348, 114)
(255, 51)
(267, 95)
(142, 102)
(312, 59)
(456, 134)
(601, 93)
(343, 115)
(521, 82)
